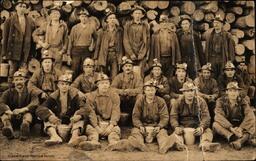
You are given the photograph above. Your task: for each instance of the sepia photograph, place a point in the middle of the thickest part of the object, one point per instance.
(127, 80)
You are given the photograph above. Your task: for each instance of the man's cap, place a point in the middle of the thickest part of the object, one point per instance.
(150, 83)
(137, 7)
(65, 78)
(101, 77)
(207, 66)
(20, 73)
(88, 62)
(181, 66)
(233, 85)
(188, 86)
(26, 2)
(229, 65)
(83, 11)
(47, 54)
(126, 60)
(156, 63)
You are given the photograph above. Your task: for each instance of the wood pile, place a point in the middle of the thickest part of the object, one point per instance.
(239, 16)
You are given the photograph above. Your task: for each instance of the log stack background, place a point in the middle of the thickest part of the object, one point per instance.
(239, 17)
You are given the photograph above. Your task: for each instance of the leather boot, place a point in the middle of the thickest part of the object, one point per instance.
(89, 145)
(211, 147)
(7, 129)
(165, 146)
(74, 141)
(54, 137)
(25, 131)
(239, 142)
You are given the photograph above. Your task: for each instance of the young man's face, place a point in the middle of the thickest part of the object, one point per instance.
(111, 19)
(47, 65)
(103, 85)
(88, 69)
(181, 73)
(217, 25)
(55, 15)
(230, 73)
(232, 94)
(19, 82)
(21, 8)
(185, 24)
(156, 71)
(137, 15)
(189, 94)
(206, 74)
(127, 68)
(83, 18)
(63, 86)
(242, 66)
(150, 91)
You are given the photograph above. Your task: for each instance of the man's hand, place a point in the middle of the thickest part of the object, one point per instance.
(54, 120)
(99, 130)
(108, 130)
(44, 95)
(160, 86)
(8, 112)
(75, 118)
(237, 131)
(20, 111)
(156, 130)
(133, 57)
(142, 130)
(178, 130)
(198, 131)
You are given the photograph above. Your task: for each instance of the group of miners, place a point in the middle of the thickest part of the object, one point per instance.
(182, 87)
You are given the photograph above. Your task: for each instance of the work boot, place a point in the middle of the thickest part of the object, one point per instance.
(25, 131)
(122, 145)
(239, 142)
(231, 138)
(211, 147)
(7, 129)
(53, 140)
(138, 145)
(74, 141)
(89, 145)
(164, 147)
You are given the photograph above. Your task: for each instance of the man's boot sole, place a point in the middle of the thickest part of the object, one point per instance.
(8, 133)
(88, 146)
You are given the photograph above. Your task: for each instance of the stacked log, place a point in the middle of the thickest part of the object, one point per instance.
(239, 16)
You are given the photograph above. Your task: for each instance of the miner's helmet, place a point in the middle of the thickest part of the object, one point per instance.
(233, 85)
(189, 85)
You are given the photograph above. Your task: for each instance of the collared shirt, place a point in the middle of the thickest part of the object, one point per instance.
(136, 36)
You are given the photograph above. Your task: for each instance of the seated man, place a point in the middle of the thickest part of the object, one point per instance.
(207, 88)
(17, 107)
(86, 81)
(163, 88)
(44, 81)
(128, 85)
(60, 109)
(192, 111)
(177, 81)
(234, 118)
(106, 104)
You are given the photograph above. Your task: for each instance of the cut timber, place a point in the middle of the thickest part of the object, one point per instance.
(188, 7)
(211, 7)
(230, 17)
(249, 44)
(58, 3)
(198, 15)
(150, 4)
(239, 58)
(34, 1)
(250, 4)
(175, 11)
(238, 33)
(236, 40)
(47, 4)
(76, 3)
(99, 5)
(67, 8)
(7, 4)
(208, 17)
(237, 10)
(226, 27)
(163, 4)
(175, 20)
(245, 21)
(250, 32)
(251, 66)
(4, 14)
(151, 14)
(221, 13)
(239, 49)
(87, 2)
(203, 27)
(124, 8)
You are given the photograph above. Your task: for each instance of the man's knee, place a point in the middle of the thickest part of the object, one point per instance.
(78, 125)
(27, 117)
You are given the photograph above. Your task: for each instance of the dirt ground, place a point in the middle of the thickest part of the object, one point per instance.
(34, 149)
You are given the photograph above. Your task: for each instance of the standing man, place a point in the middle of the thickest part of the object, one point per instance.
(62, 107)
(17, 38)
(137, 38)
(192, 111)
(190, 47)
(165, 47)
(80, 43)
(56, 36)
(109, 46)
(106, 104)
(17, 107)
(207, 88)
(234, 118)
(128, 85)
(44, 81)
(220, 47)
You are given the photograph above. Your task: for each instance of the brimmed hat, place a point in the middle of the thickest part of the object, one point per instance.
(218, 18)
(188, 86)
(181, 66)
(126, 60)
(233, 85)
(229, 65)
(65, 78)
(83, 11)
(47, 54)
(185, 17)
(88, 62)
(156, 63)
(54, 9)
(26, 2)
(150, 83)
(101, 77)
(136, 7)
(20, 73)
(207, 66)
